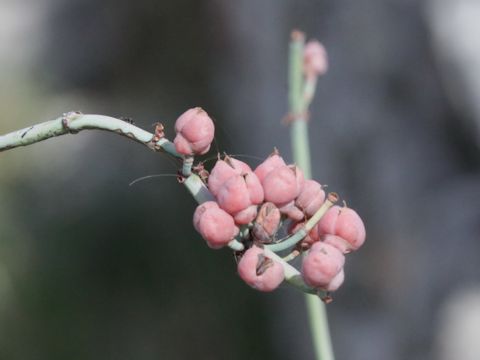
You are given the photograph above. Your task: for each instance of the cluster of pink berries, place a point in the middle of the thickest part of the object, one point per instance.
(257, 203)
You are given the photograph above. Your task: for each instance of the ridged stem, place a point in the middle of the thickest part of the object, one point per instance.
(316, 310)
(74, 122)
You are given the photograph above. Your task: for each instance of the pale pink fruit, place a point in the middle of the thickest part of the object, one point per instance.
(259, 271)
(337, 241)
(322, 263)
(245, 216)
(282, 184)
(314, 59)
(345, 223)
(336, 282)
(267, 222)
(238, 164)
(215, 225)
(224, 170)
(311, 197)
(239, 192)
(272, 162)
(233, 196)
(195, 132)
(200, 210)
(292, 212)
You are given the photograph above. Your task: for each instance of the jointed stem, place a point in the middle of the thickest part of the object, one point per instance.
(73, 122)
(299, 101)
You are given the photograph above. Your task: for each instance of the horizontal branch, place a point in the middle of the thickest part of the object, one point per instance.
(74, 122)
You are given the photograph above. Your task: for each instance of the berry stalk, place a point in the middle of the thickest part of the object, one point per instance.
(309, 225)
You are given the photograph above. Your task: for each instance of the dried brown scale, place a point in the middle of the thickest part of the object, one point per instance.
(327, 299)
(66, 120)
(180, 178)
(263, 264)
(159, 132)
(200, 170)
(267, 223)
(297, 35)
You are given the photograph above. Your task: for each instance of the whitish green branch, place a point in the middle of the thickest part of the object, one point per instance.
(300, 96)
(201, 194)
(74, 122)
(305, 229)
(293, 276)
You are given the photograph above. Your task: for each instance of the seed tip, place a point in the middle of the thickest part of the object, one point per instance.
(332, 197)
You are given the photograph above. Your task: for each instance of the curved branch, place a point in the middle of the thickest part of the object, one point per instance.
(292, 240)
(74, 122)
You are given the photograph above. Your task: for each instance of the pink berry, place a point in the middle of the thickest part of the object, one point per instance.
(254, 187)
(197, 215)
(215, 225)
(238, 164)
(314, 59)
(336, 282)
(282, 184)
(195, 132)
(245, 216)
(233, 196)
(345, 223)
(259, 271)
(337, 241)
(292, 212)
(322, 263)
(224, 170)
(239, 192)
(311, 197)
(267, 223)
(272, 162)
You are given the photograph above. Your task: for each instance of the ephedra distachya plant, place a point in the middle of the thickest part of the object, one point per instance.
(255, 207)
(272, 215)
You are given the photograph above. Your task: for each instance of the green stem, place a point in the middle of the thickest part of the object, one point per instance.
(74, 122)
(304, 230)
(293, 276)
(301, 154)
(187, 165)
(317, 313)
(201, 194)
(309, 89)
(198, 189)
(291, 256)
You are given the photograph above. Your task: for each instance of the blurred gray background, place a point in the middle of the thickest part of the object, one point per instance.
(91, 268)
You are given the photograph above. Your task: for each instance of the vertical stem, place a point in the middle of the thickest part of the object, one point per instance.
(301, 153)
(317, 314)
(316, 310)
(298, 112)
